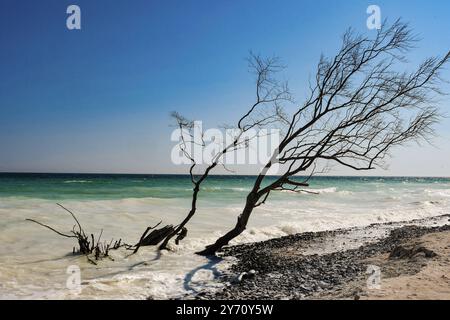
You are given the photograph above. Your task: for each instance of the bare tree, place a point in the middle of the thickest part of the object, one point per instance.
(266, 110)
(359, 108)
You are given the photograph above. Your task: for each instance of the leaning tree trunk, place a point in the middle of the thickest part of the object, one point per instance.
(180, 227)
(240, 226)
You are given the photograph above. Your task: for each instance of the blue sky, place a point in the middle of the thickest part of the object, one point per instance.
(98, 99)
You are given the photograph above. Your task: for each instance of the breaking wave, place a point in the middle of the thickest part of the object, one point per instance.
(78, 181)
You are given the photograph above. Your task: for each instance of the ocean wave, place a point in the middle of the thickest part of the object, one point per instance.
(330, 222)
(319, 191)
(234, 189)
(78, 181)
(324, 190)
(426, 203)
(445, 193)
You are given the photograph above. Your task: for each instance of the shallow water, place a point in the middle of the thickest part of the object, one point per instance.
(34, 261)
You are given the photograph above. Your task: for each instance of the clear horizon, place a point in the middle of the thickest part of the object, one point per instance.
(98, 99)
(215, 174)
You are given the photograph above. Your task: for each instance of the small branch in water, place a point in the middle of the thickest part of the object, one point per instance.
(86, 246)
(73, 216)
(54, 230)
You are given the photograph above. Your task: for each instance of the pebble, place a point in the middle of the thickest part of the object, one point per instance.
(298, 277)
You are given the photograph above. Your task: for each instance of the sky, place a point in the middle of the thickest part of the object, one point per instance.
(97, 100)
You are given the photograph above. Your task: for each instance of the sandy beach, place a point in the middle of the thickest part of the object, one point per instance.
(431, 282)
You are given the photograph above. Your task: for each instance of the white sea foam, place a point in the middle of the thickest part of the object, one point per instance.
(438, 192)
(78, 181)
(325, 190)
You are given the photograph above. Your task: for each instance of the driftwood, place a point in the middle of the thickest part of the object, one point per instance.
(181, 235)
(155, 237)
(87, 244)
(95, 249)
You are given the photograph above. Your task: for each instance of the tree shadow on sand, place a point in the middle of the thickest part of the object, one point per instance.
(209, 266)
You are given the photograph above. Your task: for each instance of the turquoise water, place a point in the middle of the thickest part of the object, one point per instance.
(120, 186)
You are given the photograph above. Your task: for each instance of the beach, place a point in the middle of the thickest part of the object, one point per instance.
(34, 261)
(432, 281)
(410, 260)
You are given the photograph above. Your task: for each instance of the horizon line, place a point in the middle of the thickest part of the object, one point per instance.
(220, 175)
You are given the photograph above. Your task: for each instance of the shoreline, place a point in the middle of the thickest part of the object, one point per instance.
(335, 264)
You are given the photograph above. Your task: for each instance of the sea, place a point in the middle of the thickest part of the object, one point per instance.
(36, 263)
